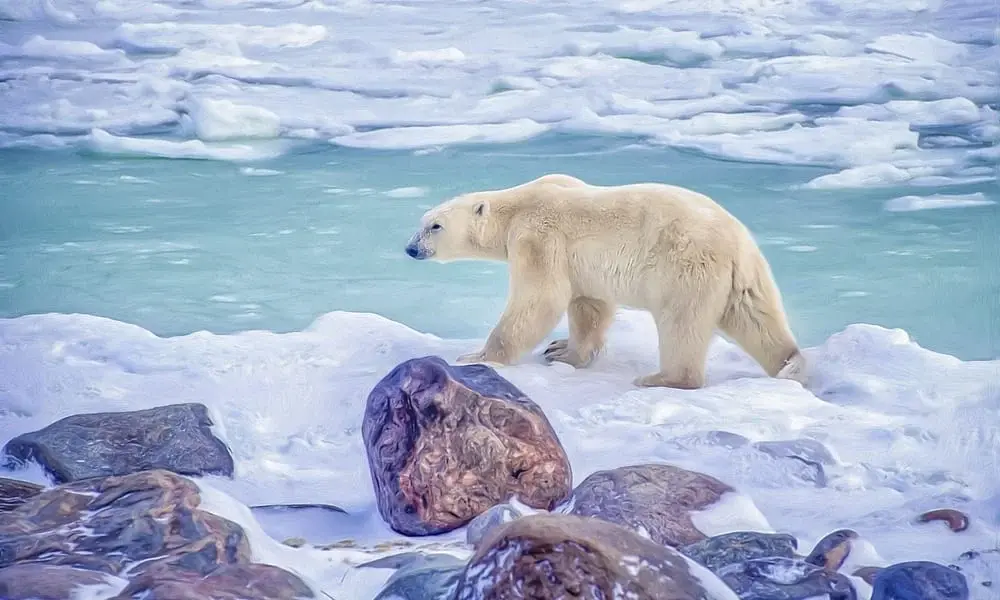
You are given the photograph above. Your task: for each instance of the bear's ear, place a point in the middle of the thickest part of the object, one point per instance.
(481, 208)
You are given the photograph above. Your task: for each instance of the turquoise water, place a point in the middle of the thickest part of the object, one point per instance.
(178, 246)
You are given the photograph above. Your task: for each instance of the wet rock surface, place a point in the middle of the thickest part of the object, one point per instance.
(779, 578)
(655, 498)
(14, 493)
(739, 546)
(445, 443)
(145, 528)
(563, 557)
(175, 437)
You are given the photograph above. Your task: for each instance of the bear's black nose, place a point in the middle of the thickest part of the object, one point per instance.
(412, 251)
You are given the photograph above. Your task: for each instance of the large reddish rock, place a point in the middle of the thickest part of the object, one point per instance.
(445, 443)
(655, 498)
(144, 528)
(561, 557)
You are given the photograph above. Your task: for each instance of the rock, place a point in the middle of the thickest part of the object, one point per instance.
(176, 437)
(563, 556)
(956, 520)
(739, 546)
(919, 580)
(445, 443)
(779, 578)
(228, 582)
(802, 448)
(145, 528)
(419, 576)
(493, 518)
(652, 498)
(832, 551)
(14, 493)
(36, 581)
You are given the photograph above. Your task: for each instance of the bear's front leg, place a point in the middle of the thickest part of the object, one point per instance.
(589, 320)
(539, 295)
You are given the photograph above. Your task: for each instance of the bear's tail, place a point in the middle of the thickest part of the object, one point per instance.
(755, 317)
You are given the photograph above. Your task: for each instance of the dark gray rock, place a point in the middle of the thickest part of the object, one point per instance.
(778, 578)
(419, 576)
(739, 546)
(919, 580)
(176, 437)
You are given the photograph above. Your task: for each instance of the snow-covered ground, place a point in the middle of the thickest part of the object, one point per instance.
(886, 93)
(908, 429)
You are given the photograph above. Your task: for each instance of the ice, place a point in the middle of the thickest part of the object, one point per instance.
(407, 76)
(105, 143)
(220, 120)
(936, 201)
(440, 135)
(910, 428)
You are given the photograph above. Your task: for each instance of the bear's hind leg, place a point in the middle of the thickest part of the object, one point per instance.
(685, 334)
(589, 320)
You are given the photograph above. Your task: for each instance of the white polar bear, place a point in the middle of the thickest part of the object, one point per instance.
(586, 249)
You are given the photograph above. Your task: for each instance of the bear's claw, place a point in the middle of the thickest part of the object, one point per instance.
(559, 351)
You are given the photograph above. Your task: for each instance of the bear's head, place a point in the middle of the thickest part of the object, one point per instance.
(454, 230)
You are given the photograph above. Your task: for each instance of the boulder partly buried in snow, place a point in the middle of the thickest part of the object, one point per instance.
(445, 443)
(563, 556)
(655, 499)
(146, 530)
(175, 437)
(919, 580)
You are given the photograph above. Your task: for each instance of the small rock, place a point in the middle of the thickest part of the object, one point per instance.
(176, 437)
(294, 542)
(803, 448)
(919, 580)
(656, 499)
(419, 576)
(563, 556)
(14, 493)
(493, 518)
(956, 520)
(779, 578)
(445, 443)
(832, 551)
(739, 546)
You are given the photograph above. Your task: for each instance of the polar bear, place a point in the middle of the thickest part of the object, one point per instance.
(586, 249)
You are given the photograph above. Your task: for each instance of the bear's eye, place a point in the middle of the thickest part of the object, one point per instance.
(436, 227)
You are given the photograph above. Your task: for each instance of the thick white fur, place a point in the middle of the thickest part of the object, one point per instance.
(586, 249)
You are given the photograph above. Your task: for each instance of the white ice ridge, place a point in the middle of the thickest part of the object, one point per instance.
(907, 429)
(882, 94)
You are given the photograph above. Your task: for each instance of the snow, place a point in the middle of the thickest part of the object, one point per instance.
(863, 90)
(907, 429)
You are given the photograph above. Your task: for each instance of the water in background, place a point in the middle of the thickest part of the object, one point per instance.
(183, 245)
